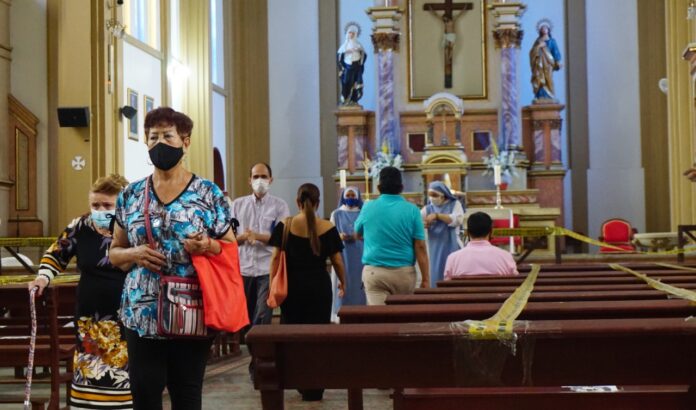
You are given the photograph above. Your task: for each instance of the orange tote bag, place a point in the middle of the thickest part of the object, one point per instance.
(279, 284)
(223, 288)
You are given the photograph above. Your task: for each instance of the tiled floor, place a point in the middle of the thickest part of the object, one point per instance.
(227, 386)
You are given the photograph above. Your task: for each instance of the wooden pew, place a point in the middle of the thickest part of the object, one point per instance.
(685, 277)
(549, 353)
(54, 345)
(546, 288)
(443, 399)
(631, 397)
(574, 274)
(533, 311)
(500, 297)
(587, 267)
(535, 398)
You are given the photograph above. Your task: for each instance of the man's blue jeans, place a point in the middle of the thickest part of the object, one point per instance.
(256, 291)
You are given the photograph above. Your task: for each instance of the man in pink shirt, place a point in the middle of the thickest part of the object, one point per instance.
(479, 257)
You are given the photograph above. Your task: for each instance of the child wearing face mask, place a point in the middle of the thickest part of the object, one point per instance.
(344, 218)
(100, 375)
(443, 215)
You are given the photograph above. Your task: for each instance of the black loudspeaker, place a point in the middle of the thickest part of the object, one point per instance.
(73, 116)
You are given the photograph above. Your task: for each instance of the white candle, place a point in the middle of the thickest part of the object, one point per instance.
(448, 181)
(342, 175)
(496, 174)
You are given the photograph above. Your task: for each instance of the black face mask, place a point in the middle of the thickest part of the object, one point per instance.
(165, 157)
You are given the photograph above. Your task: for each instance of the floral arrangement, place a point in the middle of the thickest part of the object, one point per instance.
(382, 160)
(506, 160)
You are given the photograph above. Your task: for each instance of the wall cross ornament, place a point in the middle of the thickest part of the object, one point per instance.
(78, 163)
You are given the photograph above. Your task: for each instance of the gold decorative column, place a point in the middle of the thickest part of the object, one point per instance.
(70, 71)
(680, 107)
(195, 44)
(250, 97)
(5, 59)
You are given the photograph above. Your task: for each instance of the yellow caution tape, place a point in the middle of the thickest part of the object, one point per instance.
(499, 326)
(560, 231)
(36, 241)
(678, 267)
(529, 232)
(23, 279)
(557, 230)
(563, 231)
(657, 285)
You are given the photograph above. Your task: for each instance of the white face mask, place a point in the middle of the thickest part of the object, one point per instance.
(437, 201)
(260, 186)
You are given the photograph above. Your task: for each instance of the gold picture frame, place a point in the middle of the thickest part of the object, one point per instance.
(425, 39)
(133, 122)
(148, 103)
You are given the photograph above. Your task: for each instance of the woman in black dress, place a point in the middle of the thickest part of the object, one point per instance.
(100, 376)
(310, 242)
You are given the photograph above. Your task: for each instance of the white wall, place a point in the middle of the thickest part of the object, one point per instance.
(29, 82)
(615, 179)
(553, 10)
(143, 73)
(293, 58)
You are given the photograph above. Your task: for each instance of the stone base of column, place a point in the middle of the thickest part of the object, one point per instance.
(353, 126)
(542, 135)
(549, 184)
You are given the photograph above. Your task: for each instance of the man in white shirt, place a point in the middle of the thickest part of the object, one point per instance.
(257, 214)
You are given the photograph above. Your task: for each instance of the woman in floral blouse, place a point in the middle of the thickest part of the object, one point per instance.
(189, 215)
(100, 377)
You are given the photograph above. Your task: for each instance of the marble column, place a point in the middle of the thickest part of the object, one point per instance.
(5, 60)
(385, 38)
(508, 37)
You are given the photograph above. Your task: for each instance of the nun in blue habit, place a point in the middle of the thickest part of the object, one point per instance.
(443, 215)
(344, 218)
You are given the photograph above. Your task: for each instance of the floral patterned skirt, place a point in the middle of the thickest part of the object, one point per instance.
(100, 366)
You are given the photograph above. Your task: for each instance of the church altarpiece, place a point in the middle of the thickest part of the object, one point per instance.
(430, 32)
(450, 137)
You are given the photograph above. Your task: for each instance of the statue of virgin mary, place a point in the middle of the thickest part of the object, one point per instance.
(544, 58)
(351, 58)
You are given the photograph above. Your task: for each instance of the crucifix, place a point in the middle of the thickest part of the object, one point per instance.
(450, 33)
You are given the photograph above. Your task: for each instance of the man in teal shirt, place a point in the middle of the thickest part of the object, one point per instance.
(394, 239)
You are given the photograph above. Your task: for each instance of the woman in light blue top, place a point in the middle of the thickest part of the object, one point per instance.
(442, 215)
(344, 218)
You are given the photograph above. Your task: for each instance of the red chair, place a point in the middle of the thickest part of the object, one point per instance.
(619, 233)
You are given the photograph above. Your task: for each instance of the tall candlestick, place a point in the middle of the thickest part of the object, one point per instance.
(366, 164)
(342, 177)
(496, 175)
